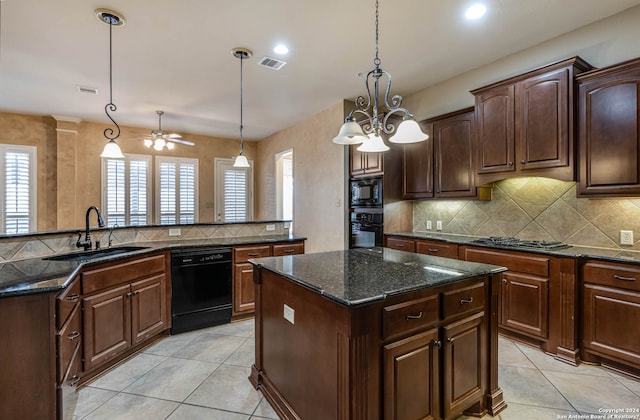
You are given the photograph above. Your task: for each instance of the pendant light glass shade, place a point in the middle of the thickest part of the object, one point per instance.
(112, 150)
(408, 132)
(350, 133)
(241, 162)
(373, 144)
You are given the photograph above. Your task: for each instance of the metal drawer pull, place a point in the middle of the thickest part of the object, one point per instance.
(449, 339)
(74, 380)
(437, 343)
(73, 335)
(73, 297)
(464, 301)
(415, 316)
(617, 277)
(288, 251)
(253, 255)
(129, 294)
(504, 281)
(433, 250)
(400, 245)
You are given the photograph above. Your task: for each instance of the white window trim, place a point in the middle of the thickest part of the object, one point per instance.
(33, 184)
(127, 159)
(219, 165)
(177, 161)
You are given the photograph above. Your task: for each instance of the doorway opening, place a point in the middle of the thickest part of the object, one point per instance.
(284, 186)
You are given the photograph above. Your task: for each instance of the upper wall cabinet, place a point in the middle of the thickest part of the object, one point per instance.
(609, 136)
(525, 124)
(364, 164)
(441, 166)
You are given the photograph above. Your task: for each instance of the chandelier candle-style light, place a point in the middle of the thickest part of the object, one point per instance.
(242, 54)
(111, 149)
(351, 132)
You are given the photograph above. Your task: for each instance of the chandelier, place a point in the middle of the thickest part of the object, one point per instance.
(111, 149)
(159, 144)
(241, 160)
(377, 121)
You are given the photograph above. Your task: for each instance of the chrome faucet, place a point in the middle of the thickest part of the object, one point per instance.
(86, 244)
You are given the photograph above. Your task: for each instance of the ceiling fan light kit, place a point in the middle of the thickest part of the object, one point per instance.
(160, 140)
(241, 54)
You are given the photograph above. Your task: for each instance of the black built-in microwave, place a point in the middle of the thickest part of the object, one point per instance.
(366, 192)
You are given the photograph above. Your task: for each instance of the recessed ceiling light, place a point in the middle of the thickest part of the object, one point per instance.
(475, 11)
(280, 49)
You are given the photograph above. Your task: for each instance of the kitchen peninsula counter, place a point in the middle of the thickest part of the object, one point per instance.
(376, 333)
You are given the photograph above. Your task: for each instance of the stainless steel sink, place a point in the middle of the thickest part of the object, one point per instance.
(96, 253)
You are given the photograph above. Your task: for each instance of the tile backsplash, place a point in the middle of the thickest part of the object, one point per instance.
(537, 209)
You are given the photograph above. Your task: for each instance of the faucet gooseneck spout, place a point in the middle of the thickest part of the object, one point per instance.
(86, 244)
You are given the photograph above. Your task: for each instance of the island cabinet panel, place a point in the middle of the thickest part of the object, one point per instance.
(525, 124)
(538, 298)
(609, 131)
(611, 309)
(124, 304)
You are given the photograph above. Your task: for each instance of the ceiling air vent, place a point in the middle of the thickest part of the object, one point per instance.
(87, 89)
(272, 63)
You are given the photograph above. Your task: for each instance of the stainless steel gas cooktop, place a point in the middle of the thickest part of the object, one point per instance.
(520, 243)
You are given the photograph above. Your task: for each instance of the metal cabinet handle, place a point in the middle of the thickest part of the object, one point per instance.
(617, 277)
(289, 251)
(129, 294)
(433, 250)
(137, 292)
(437, 343)
(400, 245)
(72, 336)
(510, 163)
(465, 301)
(253, 254)
(74, 380)
(73, 297)
(522, 161)
(449, 339)
(504, 281)
(414, 316)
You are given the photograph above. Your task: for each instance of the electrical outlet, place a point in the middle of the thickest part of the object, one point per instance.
(626, 237)
(174, 232)
(289, 313)
(429, 227)
(439, 225)
(271, 227)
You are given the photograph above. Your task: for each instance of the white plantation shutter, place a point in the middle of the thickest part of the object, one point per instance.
(177, 180)
(233, 192)
(126, 186)
(18, 189)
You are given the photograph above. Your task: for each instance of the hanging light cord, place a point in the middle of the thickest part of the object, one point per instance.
(109, 132)
(242, 56)
(377, 61)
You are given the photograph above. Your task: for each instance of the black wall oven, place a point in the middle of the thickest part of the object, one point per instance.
(366, 230)
(201, 288)
(366, 192)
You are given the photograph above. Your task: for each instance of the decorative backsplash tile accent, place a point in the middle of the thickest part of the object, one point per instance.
(539, 209)
(30, 246)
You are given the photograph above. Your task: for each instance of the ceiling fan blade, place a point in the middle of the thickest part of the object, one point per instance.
(138, 138)
(172, 136)
(188, 143)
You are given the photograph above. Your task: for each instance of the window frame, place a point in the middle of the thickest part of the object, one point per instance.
(127, 212)
(219, 165)
(177, 161)
(32, 152)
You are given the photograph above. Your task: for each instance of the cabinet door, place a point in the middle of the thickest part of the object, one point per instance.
(453, 157)
(609, 133)
(495, 143)
(542, 121)
(411, 378)
(148, 308)
(243, 289)
(610, 317)
(356, 163)
(524, 305)
(107, 325)
(464, 364)
(417, 167)
(373, 163)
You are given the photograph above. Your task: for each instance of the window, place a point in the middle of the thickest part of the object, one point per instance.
(126, 187)
(234, 191)
(18, 189)
(177, 190)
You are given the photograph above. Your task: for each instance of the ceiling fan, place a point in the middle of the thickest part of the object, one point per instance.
(159, 139)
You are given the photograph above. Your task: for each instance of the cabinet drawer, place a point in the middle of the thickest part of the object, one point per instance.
(401, 244)
(103, 276)
(610, 274)
(288, 249)
(65, 302)
(438, 249)
(409, 316)
(514, 261)
(68, 338)
(463, 301)
(245, 253)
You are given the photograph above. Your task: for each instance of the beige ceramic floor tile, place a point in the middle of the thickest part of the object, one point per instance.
(529, 387)
(264, 410)
(211, 347)
(244, 356)
(193, 412)
(169, 345)
(88, 399)
(238, 329)
(133, 407)
(547, 362)
(527, 412)
(227, 389)
(128, 372)
(509, 354)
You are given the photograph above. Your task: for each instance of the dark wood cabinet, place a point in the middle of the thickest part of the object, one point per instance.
(609, 131)
(243, 287)
(437, 248)
(365, 163)
(611, 313)
(443, 165)
(524, 306)
(148, 309)
(525, 124)
(401, 244)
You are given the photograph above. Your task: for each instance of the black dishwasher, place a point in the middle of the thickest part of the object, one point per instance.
(201, 288)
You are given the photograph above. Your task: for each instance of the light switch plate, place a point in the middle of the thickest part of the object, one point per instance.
(174, 232)
(289, 313)
(626, 237)
(429, 227)
(438, 224)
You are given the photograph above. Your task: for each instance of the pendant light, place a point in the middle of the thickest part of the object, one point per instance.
(408, 131)
(111, 149)
(241, 54)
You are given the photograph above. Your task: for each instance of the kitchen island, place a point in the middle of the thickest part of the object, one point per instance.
(376, 333)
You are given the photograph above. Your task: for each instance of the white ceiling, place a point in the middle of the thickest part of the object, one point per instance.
(174, 55)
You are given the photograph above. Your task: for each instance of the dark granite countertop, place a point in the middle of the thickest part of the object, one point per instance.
(359, 276)
(38, 275)
(584, 252)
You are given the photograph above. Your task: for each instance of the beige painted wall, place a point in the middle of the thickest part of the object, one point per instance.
(319, 179)
(85, 189)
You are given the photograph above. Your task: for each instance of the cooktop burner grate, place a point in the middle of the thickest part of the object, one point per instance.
(520, 243)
